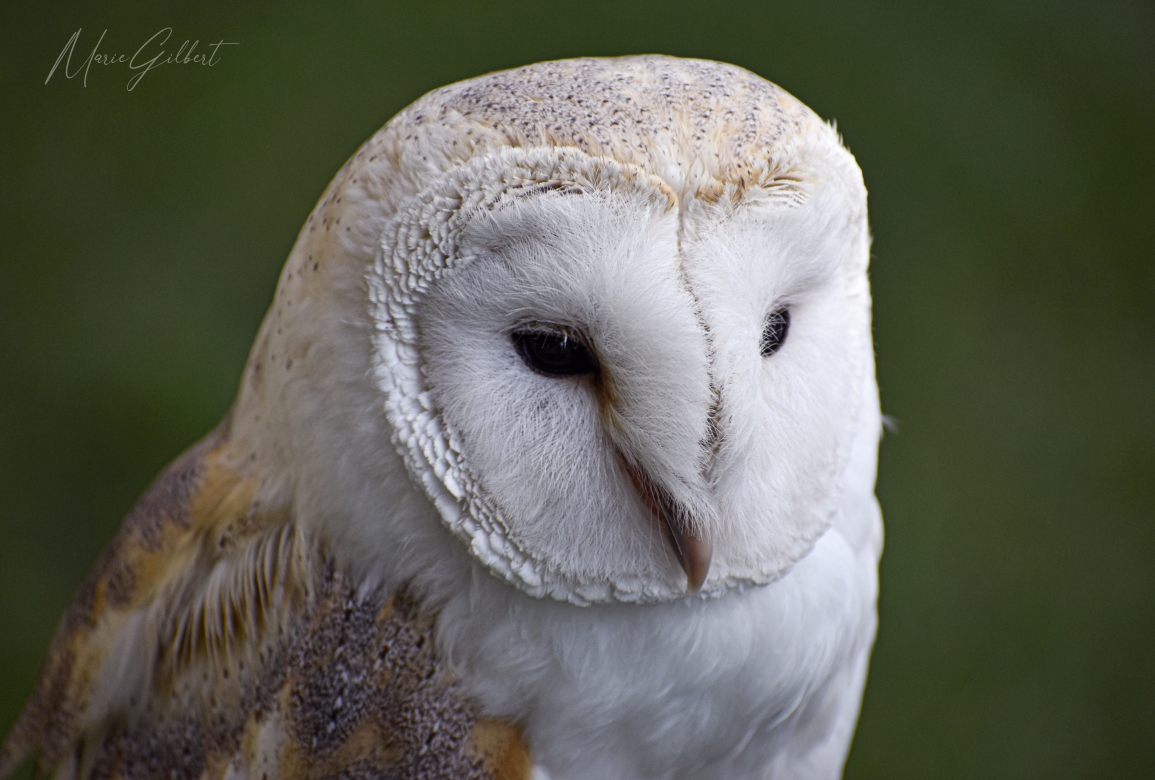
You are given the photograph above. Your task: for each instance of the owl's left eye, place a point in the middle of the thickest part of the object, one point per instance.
(553, 354)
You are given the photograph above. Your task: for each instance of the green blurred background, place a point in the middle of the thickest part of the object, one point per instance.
(1009, 149)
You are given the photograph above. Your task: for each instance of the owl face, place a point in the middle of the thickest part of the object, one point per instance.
(611, 392)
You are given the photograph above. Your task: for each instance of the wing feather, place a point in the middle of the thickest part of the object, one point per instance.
(214, 638)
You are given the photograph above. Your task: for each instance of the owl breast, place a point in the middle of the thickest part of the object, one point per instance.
(769, 679)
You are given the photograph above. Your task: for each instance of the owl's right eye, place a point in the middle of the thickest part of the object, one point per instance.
(553, 354)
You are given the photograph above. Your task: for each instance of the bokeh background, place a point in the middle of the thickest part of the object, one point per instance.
(1009, 150)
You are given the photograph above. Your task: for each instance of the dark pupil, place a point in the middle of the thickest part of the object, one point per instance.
(774, 333)
(553, 354)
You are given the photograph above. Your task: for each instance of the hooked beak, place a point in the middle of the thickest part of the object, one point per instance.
(692, 552)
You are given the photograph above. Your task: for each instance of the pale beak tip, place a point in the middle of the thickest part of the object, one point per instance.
(695, 559)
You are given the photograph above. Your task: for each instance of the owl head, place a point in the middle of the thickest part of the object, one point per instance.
(605, 321)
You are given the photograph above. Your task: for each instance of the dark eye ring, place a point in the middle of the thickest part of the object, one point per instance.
(774, 331)
(553, 354)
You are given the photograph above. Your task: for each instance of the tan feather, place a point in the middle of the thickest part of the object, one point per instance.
(213, 638)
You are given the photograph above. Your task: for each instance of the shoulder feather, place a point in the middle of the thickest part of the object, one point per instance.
(213, 636)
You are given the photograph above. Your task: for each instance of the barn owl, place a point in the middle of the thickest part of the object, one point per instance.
(554, 458)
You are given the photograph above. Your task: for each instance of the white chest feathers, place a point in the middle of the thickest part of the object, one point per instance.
(761, 683)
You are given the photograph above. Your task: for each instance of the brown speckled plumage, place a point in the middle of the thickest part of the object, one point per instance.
(295, 677)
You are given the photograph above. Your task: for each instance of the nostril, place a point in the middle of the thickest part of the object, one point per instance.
(713, 424)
